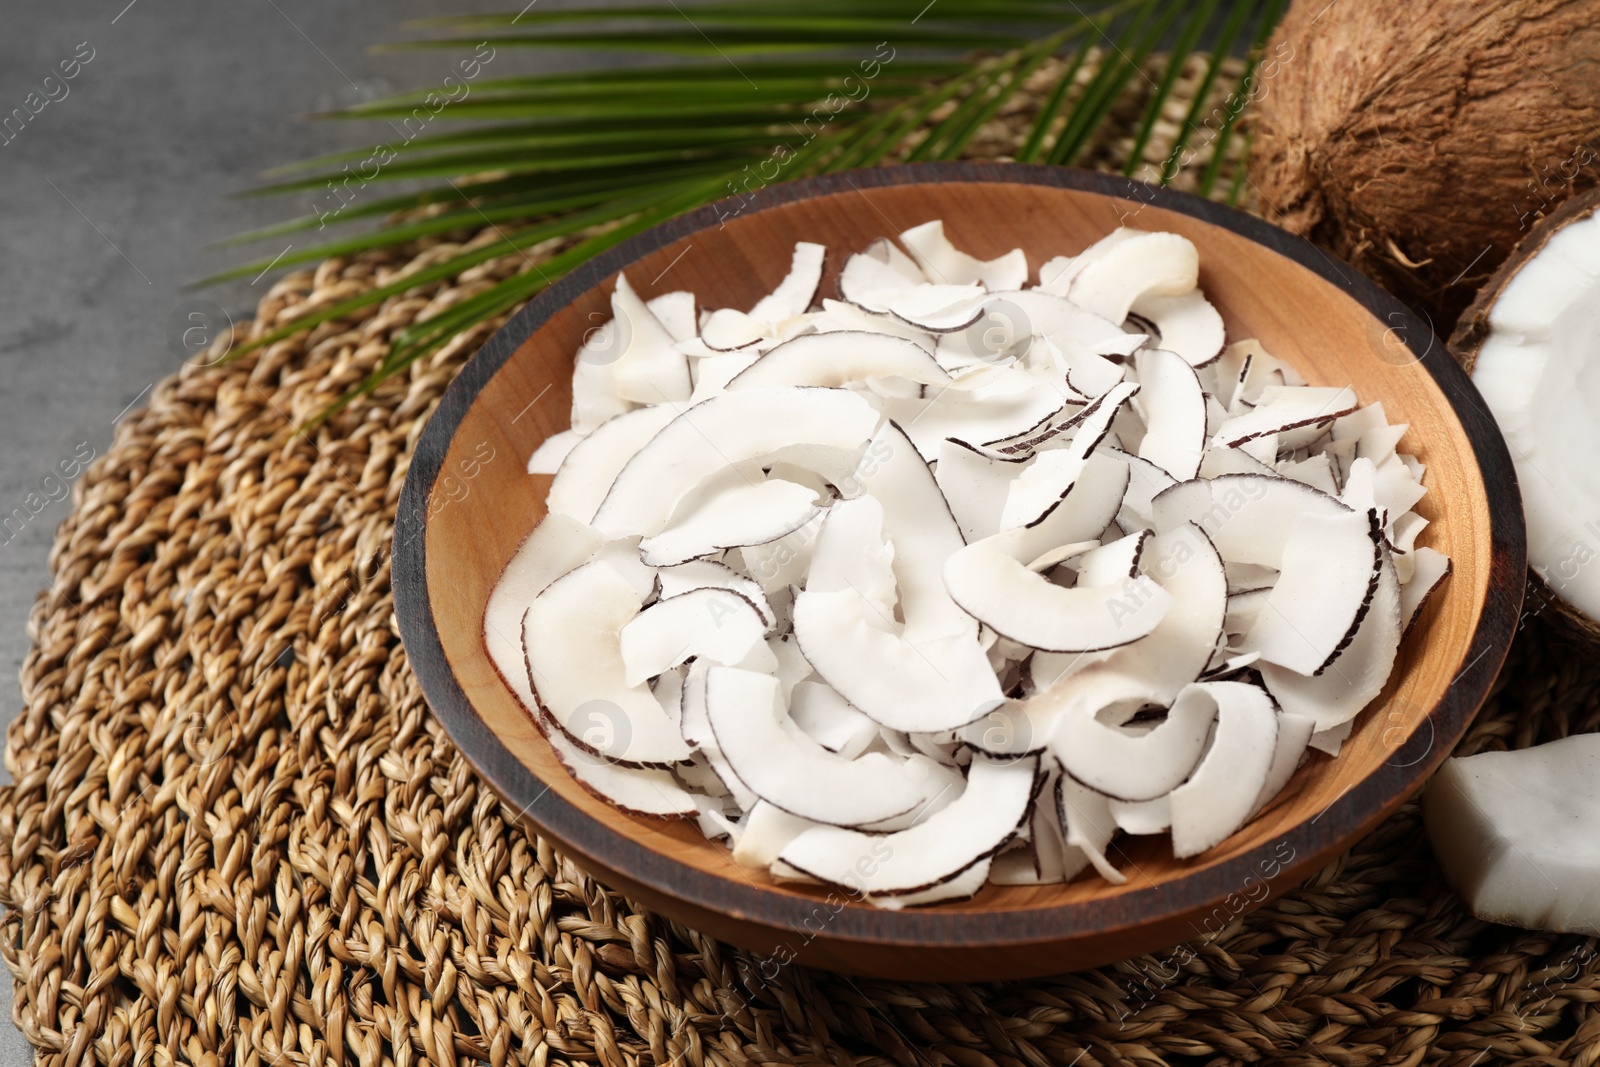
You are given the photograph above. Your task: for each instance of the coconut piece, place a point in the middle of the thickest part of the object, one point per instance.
(823, 429)
(713, 625)
(696, 726)
(975, 485)
(764, 832)
(571, 642)
(589, 470)
(676, 313)
(648, 370)
(1219, 795)
(938, 308)
(551, 451)
(1174, 411)
(1142, 816)
(1329, 571)
(1057, 275)
(1358, 675)
(1317, 471)
(852, 553)
(1145, 480)
(1249, 517)
(1143, 264)
(792, 772)
(943, 262)
(871, 279)
(1090, 826)
(1331, 740)
(838, 358)
(983, 414)
(1186, 324)
(594, 387)
(1294, 736)
(1431, 569)
(554, 547)
(923, 684)
(1130, 766)
(1216, 462)
(1149, 671)
(841, 315)
(1286, 408)
(973, 827)
(828, 719)
(1082, 515)
(799, 287)
(1042, 485)
(1001, 592)
(1515, 833)
(746, 513)
(710, 574)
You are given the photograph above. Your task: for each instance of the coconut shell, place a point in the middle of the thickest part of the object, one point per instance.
(1421, 141)
(1467, 340)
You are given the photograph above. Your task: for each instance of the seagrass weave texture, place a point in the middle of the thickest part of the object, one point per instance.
(237, 836)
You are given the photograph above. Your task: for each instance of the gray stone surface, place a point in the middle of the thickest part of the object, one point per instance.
(109, 199)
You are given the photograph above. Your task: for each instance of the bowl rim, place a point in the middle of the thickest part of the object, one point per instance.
(1312, 841)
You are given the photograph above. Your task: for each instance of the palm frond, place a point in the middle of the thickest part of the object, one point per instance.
(591, 157)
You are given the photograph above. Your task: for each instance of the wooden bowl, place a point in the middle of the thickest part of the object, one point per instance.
(467, 502)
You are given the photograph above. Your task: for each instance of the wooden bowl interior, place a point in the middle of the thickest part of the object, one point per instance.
(483, 502)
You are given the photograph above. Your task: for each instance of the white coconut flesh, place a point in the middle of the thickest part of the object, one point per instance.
(826, 578)
(973, 827)
(1534, 369)
(744, 513)
(571, 638)
(710, 625)
(1514, 832)
(788, 770)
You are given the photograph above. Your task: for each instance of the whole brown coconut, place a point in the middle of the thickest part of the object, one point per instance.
(1419, 141)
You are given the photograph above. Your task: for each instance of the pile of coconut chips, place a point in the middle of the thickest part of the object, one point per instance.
(954, 579)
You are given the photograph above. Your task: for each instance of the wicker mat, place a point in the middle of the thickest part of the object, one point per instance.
(237, 836)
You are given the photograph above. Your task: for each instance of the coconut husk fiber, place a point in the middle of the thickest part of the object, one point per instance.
(238, 837)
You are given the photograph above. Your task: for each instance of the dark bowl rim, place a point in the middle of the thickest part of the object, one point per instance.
(1308, 843)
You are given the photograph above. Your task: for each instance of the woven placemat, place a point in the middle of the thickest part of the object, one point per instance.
(237, 836)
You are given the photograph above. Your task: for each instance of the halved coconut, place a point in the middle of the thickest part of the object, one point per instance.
(1528, 342)
(974, 826)
(1221, 793)
(1141, 265)
(823, 429)
(794, 773)
(1338, 694)
(712, 625)
(572, 645)
(1329, 570)
(839, 358)
(744, 513)
(943, 262)
(1136, 766)
(1174, 411)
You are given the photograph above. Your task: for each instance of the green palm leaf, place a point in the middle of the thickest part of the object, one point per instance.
(747, 87)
